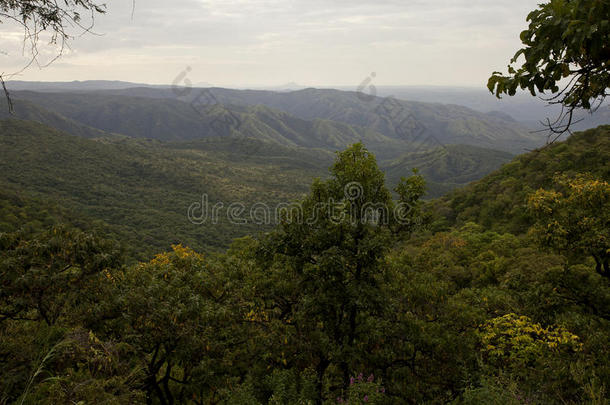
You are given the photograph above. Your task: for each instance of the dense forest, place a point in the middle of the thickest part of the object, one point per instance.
(497, 293)
(171, 244)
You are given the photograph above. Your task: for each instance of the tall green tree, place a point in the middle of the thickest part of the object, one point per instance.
(177, 320)
(328, 257)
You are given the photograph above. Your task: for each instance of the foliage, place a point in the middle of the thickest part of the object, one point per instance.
(173, 311)
(516, 349)
(409, 191)
(46, 275)
(567, 40)
(577, 223)
(516, 339)
(338, 252)
(294, 315)
(499, 201)
(48, 14)
(91, 371)
(361, 391)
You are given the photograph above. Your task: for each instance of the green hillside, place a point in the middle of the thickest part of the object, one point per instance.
(446, 168)
(142, 189)
(411, 122)
(174, 120)
(290, 118)
(498, 200)
(28, 111)
(246, 150)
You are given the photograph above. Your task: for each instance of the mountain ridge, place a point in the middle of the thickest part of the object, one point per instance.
(397, 120)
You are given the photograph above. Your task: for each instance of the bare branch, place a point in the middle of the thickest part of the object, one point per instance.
(7, 95)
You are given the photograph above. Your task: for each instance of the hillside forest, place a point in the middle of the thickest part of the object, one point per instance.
(175, 244)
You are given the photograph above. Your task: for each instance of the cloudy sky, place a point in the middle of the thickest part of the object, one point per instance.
(273, 42)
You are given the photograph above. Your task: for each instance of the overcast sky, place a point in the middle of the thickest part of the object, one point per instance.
(273, 42)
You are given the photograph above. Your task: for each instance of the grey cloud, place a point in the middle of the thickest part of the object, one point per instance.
(292, 33)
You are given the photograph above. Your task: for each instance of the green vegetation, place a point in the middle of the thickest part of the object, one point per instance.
(566, 53)
(28, 111)
(392, 117)
(499, 201)
(457, 300)
(175, 120)
(140, 191)
(448, 167)
(329, 119)
(497, 293)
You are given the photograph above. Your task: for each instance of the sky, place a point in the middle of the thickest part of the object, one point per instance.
(258, 43)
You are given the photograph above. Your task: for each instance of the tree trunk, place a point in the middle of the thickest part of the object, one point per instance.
(320, 371)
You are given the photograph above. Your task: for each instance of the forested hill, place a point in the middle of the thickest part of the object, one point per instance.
(446, 167)
(175, 120)
(141, 190)
(449, 124)
(29, 111)
(498, 201)
(448, 311)
(311, 117)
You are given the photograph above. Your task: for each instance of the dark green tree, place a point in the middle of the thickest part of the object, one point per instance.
(53, 273)
(179, 325)
(576, 220)
(328, 258)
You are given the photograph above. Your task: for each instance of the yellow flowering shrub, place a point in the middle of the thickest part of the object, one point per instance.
(514, 338)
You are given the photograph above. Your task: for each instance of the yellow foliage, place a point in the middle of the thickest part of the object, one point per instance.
(178, 251)
(257, 315)
(518, 337)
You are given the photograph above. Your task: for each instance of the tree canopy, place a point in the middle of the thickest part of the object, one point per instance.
(345, 301)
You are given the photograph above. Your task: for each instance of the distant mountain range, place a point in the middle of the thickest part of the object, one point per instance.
(527, 110)
(522, 107)
(450, 144)
(329, 119)
(76, 85)
(133, 159)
